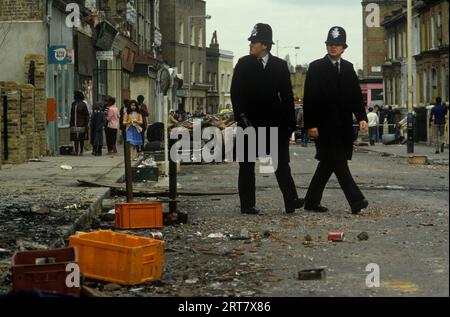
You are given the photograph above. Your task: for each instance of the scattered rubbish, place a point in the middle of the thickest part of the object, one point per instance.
(418, 160)
(312, 274)
(244, 234)
(40, 209)
(111, 287)
(35, 160)
(198, 234)
(43, 270)
(266, 233)
(156, 235)
(308, 238)
(363, 236)
(66, 167)
(137, 289)
(101, 255)
(74, 206)
(112, 211)
(90, 292)
(4, 251)
(336, 236)
(426, 224)
(216, 235)
(23, 245)
(191, 281)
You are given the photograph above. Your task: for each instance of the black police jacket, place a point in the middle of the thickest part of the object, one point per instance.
(330, 100)
(263, 94)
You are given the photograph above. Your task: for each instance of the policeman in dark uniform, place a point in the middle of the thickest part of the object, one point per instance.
(261, 93)
(332, 95)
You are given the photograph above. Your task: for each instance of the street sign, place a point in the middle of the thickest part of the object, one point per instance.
(57, 54)
(104, 55)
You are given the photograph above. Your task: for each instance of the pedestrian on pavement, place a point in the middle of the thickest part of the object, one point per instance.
(133, 121)
(438, 113)
(79, 121)
(261, 94)
(122, 112)
(390, 118)
(303, 130)
(377, 110)
(332, 93)
(98, 122)
(112, 117)
(373, 126)
(144, 113)
(171, 120)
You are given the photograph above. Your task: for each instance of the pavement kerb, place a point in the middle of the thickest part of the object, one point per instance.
(93, 210)
(405, 156)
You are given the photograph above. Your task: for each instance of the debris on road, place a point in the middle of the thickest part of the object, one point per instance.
(336, 236)
(363, 236)
(312, 274)
(66, 167)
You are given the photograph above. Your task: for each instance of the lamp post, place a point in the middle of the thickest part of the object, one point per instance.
(206, 17)
(294, 47)
(410, 116)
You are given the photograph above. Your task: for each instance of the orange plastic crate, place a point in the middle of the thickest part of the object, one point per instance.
(118, 258)
(139, 215)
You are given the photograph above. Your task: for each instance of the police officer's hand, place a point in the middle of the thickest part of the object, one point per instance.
(313, 132)
(363, 126)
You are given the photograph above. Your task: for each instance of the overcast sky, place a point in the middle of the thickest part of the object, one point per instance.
(303, 23)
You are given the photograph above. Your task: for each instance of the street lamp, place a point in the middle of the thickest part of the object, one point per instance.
(410, 116)
(294, 47)
(206, 17)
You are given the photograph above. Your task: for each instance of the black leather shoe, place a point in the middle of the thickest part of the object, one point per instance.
(298, 203)
(358, 206)
(317, 208)
(250, 211)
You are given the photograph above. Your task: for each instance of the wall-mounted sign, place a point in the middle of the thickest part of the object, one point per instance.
(376, 69)
(57, 54)
(104, 55)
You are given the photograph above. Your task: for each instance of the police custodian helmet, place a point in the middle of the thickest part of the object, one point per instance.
(261, 33)
(337, 36)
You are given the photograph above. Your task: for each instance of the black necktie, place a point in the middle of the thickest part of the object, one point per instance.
(336, 66)
(261, 61)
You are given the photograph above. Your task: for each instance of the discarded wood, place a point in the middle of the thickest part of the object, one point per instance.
(151, 192)
(90, 292)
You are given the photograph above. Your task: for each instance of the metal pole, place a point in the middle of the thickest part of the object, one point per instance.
(172, 183)
(166, 137)
(189, 63)
(128, 175)
(410, 117)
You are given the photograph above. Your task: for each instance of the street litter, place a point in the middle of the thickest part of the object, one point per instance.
(137, 289)
(363, 236)
(66, 167)
(191, 281)
(216, 235)
(312, 274)
(74, 206)
(336, 236)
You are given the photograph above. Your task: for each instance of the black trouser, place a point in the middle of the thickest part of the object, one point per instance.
(323, 174)
(98, 150)
(246, 181)
(111, 139)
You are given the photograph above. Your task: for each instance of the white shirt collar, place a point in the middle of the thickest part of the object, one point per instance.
(333, 61)
(265, 59)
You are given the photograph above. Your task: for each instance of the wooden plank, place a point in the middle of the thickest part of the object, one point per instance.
(121, 187)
